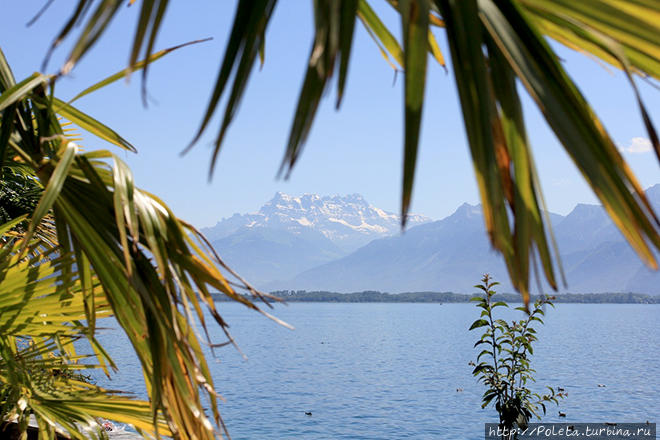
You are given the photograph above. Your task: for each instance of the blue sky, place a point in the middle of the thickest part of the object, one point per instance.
(355, 150)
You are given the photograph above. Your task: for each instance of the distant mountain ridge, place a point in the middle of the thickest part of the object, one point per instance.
(452, 253)
(290, 234)
(348, 221)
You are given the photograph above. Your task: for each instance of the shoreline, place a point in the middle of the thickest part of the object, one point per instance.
(448, 297)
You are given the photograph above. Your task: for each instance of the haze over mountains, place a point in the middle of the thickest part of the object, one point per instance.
(344, 244)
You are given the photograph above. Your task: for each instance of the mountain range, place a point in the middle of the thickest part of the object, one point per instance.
(289, 235)
(344, 244)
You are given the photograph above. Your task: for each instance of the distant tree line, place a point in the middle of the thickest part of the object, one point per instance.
(370, 296)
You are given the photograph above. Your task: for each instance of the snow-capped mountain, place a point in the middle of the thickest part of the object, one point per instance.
(347, 221)
(345, 244)
(450, 254)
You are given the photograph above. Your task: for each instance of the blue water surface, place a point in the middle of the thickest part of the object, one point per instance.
(391, 371)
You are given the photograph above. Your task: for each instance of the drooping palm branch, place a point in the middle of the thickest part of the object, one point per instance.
(117, 251)
(495, 45)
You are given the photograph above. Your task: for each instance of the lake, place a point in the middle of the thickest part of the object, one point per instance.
(384, 371)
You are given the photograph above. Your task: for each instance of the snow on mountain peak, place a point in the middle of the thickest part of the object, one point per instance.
(349, 221)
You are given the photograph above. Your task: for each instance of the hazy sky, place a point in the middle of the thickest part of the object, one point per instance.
(355, 150)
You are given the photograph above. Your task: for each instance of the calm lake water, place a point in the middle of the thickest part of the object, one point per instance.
(385, 371)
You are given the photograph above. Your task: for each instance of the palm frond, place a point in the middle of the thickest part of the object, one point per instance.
(121, 252)
(415, 24)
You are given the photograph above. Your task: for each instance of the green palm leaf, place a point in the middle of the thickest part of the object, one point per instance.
(118, 251)
(415, 24)
(43, 314)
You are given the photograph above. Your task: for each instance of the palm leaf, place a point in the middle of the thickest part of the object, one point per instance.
(121, 252)
(633, 24)
(415, 24)
(575, 124)
(138, 65)
(246, 38)
(489, 153)
(39, 369)
(386, 42)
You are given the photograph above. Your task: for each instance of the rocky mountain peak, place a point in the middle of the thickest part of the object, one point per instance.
(348, 221)
(653, 194)
(467, 211)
